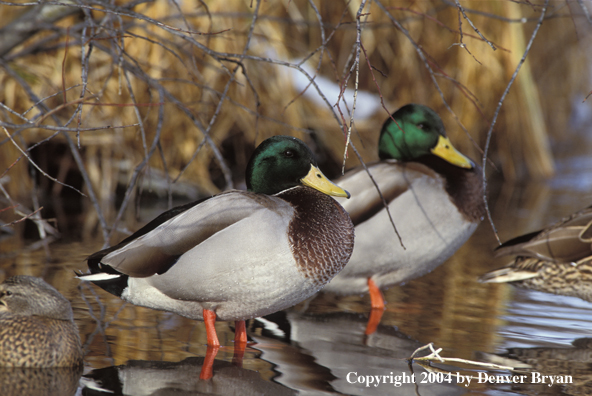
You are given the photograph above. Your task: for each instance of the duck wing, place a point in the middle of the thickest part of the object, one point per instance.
(156, 247)
(365, 201)
(566, 241)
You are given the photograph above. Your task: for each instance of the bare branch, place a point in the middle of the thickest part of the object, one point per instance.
(29, 23)
(499, 106)
(462, 10)
(37, 166)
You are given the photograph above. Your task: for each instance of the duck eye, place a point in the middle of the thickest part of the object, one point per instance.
(288, 153)
(421, 126)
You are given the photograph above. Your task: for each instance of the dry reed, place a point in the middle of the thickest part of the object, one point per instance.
(190, 88)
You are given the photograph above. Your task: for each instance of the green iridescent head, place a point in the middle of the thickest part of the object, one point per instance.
(418, 131)
(283, 162)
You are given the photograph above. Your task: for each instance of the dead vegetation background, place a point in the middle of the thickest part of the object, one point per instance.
(170, 97)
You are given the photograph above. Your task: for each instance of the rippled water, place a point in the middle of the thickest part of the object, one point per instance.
(319, 347)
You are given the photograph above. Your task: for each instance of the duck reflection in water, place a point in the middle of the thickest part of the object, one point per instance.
(168, 378)
(331, 354)
(40, 381)
(568, 366)
(239, 254)
(293, 353)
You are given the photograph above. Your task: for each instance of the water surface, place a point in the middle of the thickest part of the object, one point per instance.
(319, 347)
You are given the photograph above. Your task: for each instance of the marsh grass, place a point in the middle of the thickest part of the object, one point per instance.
(149, 96)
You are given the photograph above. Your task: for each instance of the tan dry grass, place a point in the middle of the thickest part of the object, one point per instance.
(538, 104)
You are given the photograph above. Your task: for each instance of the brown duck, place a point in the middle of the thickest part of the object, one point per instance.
(557, 259)
(36, 325)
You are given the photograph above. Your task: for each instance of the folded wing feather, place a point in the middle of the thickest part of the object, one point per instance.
(156, 251)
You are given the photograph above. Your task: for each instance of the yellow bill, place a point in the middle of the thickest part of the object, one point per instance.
(318, 181)
(445, 150)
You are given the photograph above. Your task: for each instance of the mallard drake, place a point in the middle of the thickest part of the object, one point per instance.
(147, 377)
(239, 254)
(37, 326)
(434, 195)
(557, 259)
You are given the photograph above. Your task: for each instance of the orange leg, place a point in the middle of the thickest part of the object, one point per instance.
(240, 332)
(373, 320)
(210, 321)
(240, 342)
(376, 298)
(207, 370)
(377, 301)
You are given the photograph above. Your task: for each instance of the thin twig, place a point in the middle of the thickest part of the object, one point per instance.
(585, 10)
(356, 64)
(23, 152)
(462, 10)
(497, 110)
(139, 168)
(422, 56)
(25, 216)
(384, 203)
(25, 212)
(435, 355)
